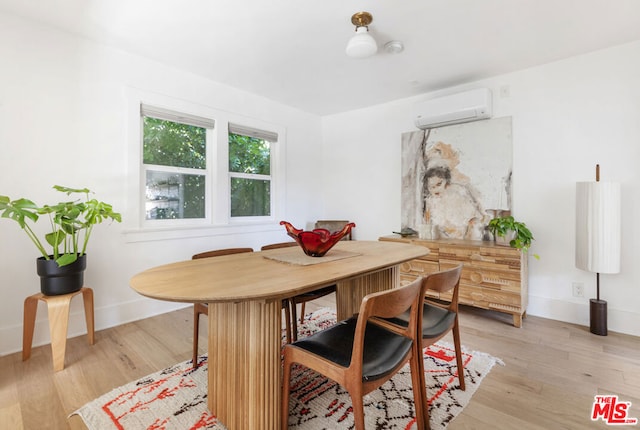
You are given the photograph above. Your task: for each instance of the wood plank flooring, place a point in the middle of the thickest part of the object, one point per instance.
(552, 371)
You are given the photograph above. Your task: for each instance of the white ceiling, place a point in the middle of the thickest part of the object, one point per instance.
(292, 51)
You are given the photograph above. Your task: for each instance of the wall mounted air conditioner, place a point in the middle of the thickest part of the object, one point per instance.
(454, 109)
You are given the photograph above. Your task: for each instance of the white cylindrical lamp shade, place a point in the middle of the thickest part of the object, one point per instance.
(598, 223)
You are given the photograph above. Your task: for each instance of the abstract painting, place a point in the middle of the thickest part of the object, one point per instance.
(455, 179)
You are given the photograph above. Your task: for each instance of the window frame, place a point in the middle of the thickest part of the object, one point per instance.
(210, 141)
(272, 139)
(218, 218)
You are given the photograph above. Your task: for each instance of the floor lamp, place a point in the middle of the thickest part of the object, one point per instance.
(598, 239)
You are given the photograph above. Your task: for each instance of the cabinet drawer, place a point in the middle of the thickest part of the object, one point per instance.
(419, 267)
(493, 277)
(458, 253)
(506, 257)
(485, 298)
(434, 250)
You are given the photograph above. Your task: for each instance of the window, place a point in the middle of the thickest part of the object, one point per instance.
(250, 171)
(175, 164)
(205, 168)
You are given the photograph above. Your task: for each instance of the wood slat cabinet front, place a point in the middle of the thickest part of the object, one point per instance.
(493, 276)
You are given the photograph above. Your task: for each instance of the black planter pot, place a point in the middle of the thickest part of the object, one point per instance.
(56, 280)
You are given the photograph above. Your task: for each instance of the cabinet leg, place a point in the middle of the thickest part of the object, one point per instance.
(517, 320)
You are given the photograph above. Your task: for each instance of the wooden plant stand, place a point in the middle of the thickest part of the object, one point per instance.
(58, 312)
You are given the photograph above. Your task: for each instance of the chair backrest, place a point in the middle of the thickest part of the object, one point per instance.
(379, 307)
(333, 226)
(219, 252)
(278, 245)
(445, 281)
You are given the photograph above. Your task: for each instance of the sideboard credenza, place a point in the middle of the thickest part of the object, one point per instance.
(494, 276)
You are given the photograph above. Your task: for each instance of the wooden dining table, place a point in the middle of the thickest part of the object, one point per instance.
(244, 293)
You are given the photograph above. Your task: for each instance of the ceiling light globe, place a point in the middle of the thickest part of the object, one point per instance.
(362, 44)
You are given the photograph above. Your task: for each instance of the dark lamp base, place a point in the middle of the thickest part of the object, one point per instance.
(598, 317)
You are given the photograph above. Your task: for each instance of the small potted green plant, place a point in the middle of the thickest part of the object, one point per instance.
(72, 222)
(508, 231)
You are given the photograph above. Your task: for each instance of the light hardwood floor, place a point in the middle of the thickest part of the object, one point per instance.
(552, 371)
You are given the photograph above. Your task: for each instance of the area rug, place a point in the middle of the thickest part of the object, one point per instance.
(176, 397)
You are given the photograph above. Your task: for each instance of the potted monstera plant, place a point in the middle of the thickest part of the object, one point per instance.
(509, 232)
(63, 249)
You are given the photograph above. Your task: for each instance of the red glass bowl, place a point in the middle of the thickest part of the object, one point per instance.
(317, 242)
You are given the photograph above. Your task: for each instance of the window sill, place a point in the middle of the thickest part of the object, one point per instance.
(186, 232)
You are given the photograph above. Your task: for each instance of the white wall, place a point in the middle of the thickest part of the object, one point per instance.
(58, 92)
(567, 117)
(63, 120)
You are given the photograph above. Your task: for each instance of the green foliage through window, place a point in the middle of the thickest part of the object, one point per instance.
(249, 155)
(168, 143)
(250, 197)
(250, 169)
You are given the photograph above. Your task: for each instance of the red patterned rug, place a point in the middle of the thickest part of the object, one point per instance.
(176, 397)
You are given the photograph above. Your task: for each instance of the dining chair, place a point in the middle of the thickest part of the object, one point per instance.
(302, 299)
(438, 319)
(278, 245)
(287, 304)
(201, 308)
(363, 352)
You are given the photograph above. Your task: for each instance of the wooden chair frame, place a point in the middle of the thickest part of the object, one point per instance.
(288, 304)
(384, 304)
(202, 308)
(442, 282)
(302, 299)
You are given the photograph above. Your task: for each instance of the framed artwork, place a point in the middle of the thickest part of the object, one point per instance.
(455, 179)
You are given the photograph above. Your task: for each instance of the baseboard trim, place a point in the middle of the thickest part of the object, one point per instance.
(619, 321)
(105, 317)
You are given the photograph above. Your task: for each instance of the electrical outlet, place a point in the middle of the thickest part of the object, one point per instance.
(578, 289)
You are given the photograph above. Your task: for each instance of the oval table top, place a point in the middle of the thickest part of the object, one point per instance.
(268, 275)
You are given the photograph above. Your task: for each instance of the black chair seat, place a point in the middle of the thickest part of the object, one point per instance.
(317, 293)
(383, 350)
(379, 352)
(435, 321)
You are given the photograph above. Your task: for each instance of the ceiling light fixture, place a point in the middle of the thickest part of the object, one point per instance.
(361, 45)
